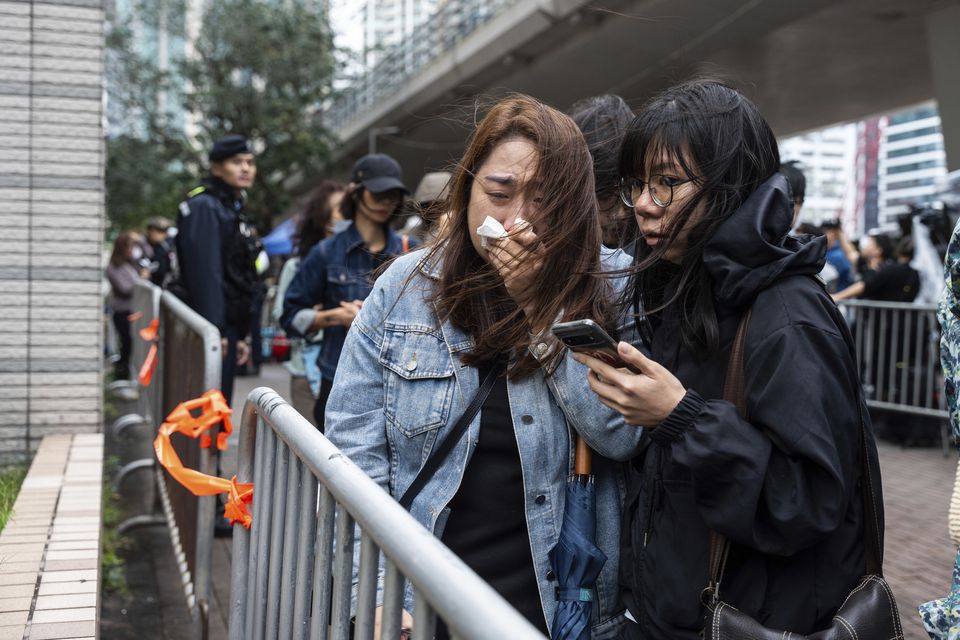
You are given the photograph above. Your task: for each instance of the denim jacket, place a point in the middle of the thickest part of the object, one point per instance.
(401, 386)
(337, 269)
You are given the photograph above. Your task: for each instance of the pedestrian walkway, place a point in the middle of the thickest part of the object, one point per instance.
(918, 556)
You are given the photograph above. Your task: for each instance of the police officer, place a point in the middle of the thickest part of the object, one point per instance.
(217, 250)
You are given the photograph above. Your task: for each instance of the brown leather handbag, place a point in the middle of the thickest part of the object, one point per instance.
(869, 611)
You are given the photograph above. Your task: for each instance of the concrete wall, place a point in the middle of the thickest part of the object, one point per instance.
(51, 219)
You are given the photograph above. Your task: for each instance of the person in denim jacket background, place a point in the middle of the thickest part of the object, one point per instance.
(337, 274)
(439, 318)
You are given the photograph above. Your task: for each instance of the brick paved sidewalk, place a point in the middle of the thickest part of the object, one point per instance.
(918, 555)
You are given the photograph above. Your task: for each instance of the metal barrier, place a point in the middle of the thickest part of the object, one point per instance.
(145, 307)
(188, 364)
(293, 570)
(453, 21)
(898, 353)
(898, 350)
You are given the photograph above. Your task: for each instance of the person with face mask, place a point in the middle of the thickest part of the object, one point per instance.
(338, 273)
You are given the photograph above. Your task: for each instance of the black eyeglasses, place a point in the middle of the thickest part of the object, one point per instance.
(660, 186)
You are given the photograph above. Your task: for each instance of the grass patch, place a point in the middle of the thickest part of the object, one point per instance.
(10, 480)
(112, 565)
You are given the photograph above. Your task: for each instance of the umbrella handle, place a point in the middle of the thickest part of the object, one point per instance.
(582, 458)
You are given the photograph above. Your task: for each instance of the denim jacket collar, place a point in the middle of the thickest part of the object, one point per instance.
(353, 240)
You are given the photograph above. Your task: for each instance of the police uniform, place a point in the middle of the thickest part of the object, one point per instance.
(217, 252)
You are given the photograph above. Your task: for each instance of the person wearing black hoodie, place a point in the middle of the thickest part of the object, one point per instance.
(700, 169)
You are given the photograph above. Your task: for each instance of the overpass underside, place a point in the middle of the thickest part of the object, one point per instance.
(807, 64)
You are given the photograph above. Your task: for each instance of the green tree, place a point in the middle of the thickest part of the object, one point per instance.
(260, 68)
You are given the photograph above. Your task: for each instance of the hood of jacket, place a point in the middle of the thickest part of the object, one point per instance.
(752, 249)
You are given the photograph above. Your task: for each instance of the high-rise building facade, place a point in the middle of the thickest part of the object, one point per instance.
(911, 160)
(387, 23)
(828, 160)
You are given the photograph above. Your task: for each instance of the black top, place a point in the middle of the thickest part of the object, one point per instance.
(892, 282)
(487, 527)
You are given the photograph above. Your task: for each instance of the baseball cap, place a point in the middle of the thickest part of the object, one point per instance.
(378, 172)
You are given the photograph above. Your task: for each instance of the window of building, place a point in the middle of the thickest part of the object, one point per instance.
(910, 115)
(915, 166)
(907, 151)
(916, 133)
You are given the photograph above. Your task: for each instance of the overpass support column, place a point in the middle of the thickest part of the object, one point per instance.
(943, 27)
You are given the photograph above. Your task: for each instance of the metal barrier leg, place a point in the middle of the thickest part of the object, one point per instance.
(130, 467)
(141, 521)
(424, 619)
(323, 566)
(288, 574)
(392, 602)
(275, 561)
(241, 569)
(307, 528)
(342, 575)
(261, 533)
(367, 593)
(122, 423)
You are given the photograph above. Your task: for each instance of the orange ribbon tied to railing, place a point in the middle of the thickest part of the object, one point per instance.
(150, 334)
(213, 410)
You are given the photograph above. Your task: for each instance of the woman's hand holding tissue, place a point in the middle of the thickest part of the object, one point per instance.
(517, 257)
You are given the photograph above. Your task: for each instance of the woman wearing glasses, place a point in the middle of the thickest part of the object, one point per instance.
(700, 170)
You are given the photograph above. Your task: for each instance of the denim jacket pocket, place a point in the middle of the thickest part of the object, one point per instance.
(419, 383)
(344, 282)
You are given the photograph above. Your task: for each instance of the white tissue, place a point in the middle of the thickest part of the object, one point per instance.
(491, 229)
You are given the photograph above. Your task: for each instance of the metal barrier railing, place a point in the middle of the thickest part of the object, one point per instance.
(453, 21)
(898, 351)
(292, 574)
(188, 364)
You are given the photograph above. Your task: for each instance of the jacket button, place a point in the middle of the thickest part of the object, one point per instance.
(541, 349)
(412, 365)
(551, 576)
(527, 419)
(540, 499)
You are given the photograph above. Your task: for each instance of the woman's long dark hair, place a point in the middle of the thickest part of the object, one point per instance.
(471, 292)
(721, 141)
(121, 247)
(314, 223)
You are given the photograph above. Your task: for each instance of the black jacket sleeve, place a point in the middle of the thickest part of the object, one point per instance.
(199, 239)
(781, 481)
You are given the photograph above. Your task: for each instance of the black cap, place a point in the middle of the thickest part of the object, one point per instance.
(833, 223)
(378, 172)
(229, 146)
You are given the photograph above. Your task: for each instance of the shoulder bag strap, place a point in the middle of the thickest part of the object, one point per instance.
(443, 451)
(733, 392)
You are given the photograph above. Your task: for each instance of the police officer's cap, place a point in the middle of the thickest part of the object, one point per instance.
(378, 172)
(229, 146)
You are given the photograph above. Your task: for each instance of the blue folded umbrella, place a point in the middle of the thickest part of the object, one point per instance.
(576, 561)
(941, 618)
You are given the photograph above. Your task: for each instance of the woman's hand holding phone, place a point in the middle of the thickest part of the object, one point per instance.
(645, 398)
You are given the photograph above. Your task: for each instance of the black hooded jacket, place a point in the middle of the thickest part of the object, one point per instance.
(782, 486)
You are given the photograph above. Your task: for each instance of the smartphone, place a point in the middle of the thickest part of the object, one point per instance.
(586, 336)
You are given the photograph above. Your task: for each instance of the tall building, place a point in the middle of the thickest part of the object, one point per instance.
(828, 160)
(911, 160)
(387, 23)
(51, 208)
(162, 35)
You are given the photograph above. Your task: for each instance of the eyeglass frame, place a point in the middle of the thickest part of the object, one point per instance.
(645, 184)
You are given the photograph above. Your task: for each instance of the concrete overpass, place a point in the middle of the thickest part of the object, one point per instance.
(806, 63)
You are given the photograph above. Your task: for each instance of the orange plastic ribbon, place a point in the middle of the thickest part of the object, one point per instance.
(148, 367)
(149, 333)
(214, 410)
